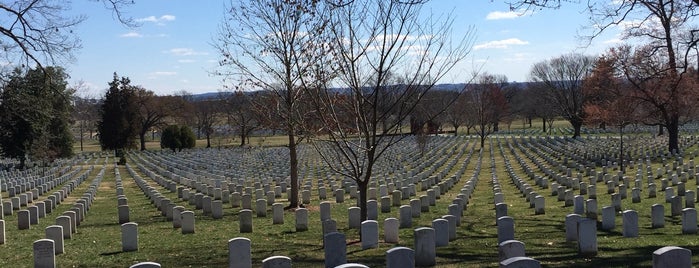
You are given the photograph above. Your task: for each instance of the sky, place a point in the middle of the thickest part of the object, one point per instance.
(171, 50)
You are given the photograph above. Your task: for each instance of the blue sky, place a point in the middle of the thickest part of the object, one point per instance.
(171, 50)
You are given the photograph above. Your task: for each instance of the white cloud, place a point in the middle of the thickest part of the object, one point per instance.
(163, 73)
(184, 52)
(505, 43)
(131, 35)
(500, 15)
(157, 20)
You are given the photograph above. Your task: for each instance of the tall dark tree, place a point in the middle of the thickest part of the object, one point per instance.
(118, 124)
(35, 115)
(152, 111)
(176, 138)
(562, 78)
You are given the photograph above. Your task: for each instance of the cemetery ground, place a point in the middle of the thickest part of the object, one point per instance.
(97, 242)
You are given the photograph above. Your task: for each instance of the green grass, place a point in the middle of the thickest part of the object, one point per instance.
(98, 241)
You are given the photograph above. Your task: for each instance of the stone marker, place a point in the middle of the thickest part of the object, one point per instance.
(239, 253)
(217, 209)
(23, 219)
(630, 223)
(123, 214)
(55, 233)
(689, 221)
(608, 214)
(506, 229)
(301, 219)
(370, 234)
(510, 248)
(64, 221)
(277, 262)
(400, 257)
(245, 219)
(129, 237)
(571, 227)
(277, 213)
(325, 211)
(672, 257)
(147, 264)
(177, 216)
(44, 253)
(335, 249)
(441, 232)
(425, 250)
(390, 228)
(187, 222)
(520, 262)
(587, 237)
(406, 217)
(354, 217)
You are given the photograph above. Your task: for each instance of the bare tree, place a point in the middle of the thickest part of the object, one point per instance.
(152, 112)
(39, 32)
(271, 45)
(206, 113)
(668, 29)
(455, 114)
(242, 114)
(486, 103)
(562, 78)
(371, 41)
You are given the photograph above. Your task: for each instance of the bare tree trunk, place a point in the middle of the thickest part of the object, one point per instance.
(142, 136)
(661, 131)
(577, 124)
(456, 130)
(673, 133)
(208, 140)
(293, 170)
(543, 121)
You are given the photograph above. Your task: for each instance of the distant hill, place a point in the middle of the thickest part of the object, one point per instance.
(452, 87)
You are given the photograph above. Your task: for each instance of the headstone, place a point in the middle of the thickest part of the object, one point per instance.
(147, 264)
(187, 222)
(245, 219)
(385, 204)
(630, 223)
(325, 211)
(372, 210)
(177, 216)
(123, 214)
(520, 262)
(400, 257)
(539, 205)
(23, 219)
(354, 217)
(335, 249)
(608, 222)
(370, 234)
(261, 208)
(55, 233)
(301, 219)
(657, 216)
(44, 253)
(406, 216)
(390, 229)
(689, 221)
(587, 237)
(277, 262)
(425, 249)
(239, 253)
(506, 229)
(500, 210)
(277, 213)
(672, 257)
(571, 227)
(64, 221)
(452, 226)
(441, 232)
(217, 209)
(510, 248)
(129, 237)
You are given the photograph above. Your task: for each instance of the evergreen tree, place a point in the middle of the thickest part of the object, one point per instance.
(117, 126)
(177, 138)
(35, 115)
